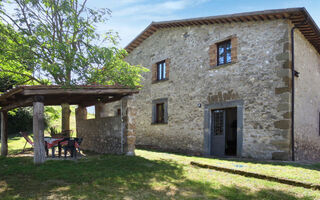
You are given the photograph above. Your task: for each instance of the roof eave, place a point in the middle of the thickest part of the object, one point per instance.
(258, 15)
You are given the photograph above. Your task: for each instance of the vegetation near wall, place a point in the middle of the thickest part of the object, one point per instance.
(20, 120)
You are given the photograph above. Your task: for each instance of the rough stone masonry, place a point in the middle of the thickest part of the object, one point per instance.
(260, 77)
(108, 134)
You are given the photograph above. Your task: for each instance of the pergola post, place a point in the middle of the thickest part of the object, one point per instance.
(81, 114)
(128, 114)
(101, 110)
(4, 133)
(65, 119)
(38, 130)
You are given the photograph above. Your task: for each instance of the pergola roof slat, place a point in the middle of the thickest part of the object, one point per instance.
(55, 95)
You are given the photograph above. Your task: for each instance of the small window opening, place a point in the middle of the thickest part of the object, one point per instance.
(224, 52)
(161, 70)
(160, 113)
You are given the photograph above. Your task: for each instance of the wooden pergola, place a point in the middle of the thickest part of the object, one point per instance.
(40, 96)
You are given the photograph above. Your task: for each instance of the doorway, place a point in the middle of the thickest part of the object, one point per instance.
(223, 132)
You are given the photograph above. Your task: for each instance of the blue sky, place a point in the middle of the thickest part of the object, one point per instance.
(130, 17)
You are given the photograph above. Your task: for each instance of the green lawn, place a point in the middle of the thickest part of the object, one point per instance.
(149, 175)
(307, 173)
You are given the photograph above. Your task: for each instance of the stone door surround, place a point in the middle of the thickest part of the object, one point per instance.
(207, 123)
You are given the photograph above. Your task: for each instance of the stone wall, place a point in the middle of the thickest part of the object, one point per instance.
(114, 134)
(307, 100)
(259, 78)
(102, 135)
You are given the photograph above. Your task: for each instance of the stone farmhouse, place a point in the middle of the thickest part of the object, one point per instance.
(245, 85)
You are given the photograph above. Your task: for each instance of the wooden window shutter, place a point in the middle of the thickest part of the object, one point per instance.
(167, 68)
(213, 55)
(234, 49)
(154, 72)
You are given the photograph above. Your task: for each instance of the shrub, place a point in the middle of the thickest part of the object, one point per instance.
(20, 120)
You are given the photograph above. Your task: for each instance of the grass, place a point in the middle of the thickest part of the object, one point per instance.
(16, 144)
(149, 175)
(307, 173)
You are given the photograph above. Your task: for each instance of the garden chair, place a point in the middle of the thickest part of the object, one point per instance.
(60, 145)
(79, 141)
(71, 146)
(27, 138)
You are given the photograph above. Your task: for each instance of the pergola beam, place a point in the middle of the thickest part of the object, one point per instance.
(88, 101)
(17, 104)
(75, 91)
(4, 133)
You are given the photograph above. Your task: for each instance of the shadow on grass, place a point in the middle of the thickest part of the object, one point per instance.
(113, 177)
(14, 137)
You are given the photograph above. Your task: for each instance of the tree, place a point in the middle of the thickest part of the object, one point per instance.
(15, 62)
(61, 45)
(21, 119)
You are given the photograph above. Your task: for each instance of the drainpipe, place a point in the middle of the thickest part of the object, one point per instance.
(292, 92)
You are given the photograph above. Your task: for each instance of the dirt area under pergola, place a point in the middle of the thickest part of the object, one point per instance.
(40, 96)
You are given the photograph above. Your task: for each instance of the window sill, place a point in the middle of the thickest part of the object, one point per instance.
(155, 123)
(222, 66)
(160, 81)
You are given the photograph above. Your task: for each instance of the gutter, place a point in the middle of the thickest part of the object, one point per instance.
(293, 74)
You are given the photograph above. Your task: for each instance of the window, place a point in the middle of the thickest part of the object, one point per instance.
(160, 111)
(161, 70)
(218, 122)
(118, 112)
(224, 52)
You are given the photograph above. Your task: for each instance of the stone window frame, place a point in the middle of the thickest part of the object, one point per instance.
(154, 71)
(213, 51)
(154, 108)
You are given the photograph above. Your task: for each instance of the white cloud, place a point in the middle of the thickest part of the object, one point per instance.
(121, 3)
(130, 17)
(162, 8)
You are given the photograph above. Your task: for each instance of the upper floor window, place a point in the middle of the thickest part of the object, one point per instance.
(161, 70)
(224, 52)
